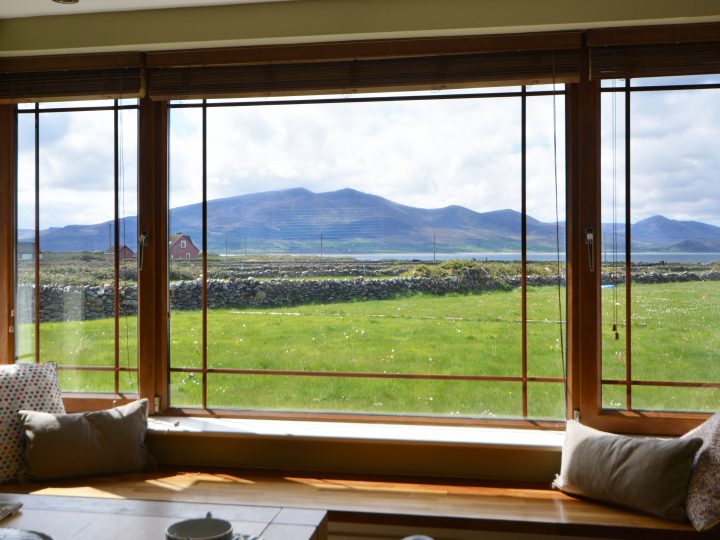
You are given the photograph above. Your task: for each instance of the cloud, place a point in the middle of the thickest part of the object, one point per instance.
(422, 153)
(76, 166)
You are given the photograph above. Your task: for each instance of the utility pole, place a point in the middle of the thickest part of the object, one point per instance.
(321, 246)
(433, 248)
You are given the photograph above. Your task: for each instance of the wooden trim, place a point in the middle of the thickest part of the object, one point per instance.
(427, 72)
(69, 62)
(586, 314)
(94, 402)
(70, 85)
(518, 423)
(369, 49)
(654, 60)
(574, 250)
(7, 232)
(653, 35)
(152, 278)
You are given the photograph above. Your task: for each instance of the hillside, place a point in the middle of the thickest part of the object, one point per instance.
(349, 221)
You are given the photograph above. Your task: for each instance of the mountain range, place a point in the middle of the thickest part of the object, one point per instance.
(349, 221)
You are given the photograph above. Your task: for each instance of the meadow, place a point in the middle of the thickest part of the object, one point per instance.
(674, 338)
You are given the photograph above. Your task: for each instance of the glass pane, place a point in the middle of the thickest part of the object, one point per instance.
(185, 239)
(77, 104)
(74, 380)
(666, 398)
(675, 208)
(127, 251)
(676, 81)
(546, 239)
(613, 329)
(373, 396)
(675, 247)
(78, 318)
(546, 401)
(76, 225)
(355, 237)
(25, 241)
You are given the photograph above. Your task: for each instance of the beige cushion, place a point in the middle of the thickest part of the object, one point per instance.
(703, 498)
(646, 474)
(102, 442)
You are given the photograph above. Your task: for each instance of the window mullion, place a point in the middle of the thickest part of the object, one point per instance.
(7, 231)
(523, 248)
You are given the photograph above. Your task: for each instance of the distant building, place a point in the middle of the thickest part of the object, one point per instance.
(182, 247)
(123, 254)
(26, 250)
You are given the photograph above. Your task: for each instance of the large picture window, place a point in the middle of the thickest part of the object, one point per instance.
(76, 293)
(399, 254)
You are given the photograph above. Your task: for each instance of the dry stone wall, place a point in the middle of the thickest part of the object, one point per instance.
(69, 302)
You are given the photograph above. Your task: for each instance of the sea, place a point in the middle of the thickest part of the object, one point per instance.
(649, 257)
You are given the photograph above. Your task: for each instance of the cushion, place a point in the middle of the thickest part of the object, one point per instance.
(79, 444)
(23, 386)
(646, 474)
(703, 498)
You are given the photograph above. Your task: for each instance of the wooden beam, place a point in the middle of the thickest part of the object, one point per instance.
(654, 35)
(7, 233)
(370, 49)
(152, 276)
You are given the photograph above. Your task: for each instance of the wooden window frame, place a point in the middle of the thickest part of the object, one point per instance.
(582, 178)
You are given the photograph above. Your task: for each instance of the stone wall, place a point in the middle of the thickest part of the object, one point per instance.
(62, 303)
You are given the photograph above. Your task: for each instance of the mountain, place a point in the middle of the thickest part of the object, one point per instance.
(658, 233)
(349, 221)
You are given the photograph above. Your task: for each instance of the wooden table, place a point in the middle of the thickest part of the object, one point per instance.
(98, 519)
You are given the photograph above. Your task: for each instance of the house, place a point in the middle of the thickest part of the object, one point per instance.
(253, 39)
(124, 253)
(26, 250)
(181, 246)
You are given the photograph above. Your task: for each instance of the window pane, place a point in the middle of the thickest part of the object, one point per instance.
(613, 323)
(362, 239)
(80, 326)
(546, 241)
(675, 251)
(25, 244)
(185, 222)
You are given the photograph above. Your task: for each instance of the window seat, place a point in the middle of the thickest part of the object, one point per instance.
(474, 453)
(385, 508)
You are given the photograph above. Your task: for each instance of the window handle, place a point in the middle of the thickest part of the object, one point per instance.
(143, 241)
(590, 243)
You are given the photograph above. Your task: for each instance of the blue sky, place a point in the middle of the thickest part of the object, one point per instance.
(425, 153)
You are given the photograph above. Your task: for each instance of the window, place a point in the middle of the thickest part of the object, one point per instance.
(661, 244)
(399, 254)
(76, 288)
(332, 248)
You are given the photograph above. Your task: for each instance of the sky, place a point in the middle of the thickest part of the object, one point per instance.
(427, 154)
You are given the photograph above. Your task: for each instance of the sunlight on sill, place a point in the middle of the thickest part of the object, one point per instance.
(360, 432)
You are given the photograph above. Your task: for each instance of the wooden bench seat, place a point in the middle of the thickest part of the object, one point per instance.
(365, 508)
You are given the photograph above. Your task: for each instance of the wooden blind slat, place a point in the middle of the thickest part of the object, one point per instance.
(530, 67)
(654, 60)
(69, 85)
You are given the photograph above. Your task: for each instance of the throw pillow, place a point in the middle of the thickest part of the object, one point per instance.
(23, 386)
(80, 444)
(703, 498)
(646, 474)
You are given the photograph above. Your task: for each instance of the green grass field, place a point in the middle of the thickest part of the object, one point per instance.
(675, 337)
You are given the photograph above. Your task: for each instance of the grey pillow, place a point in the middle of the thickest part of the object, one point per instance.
(80, 444)
(703, 498)
(646, 474)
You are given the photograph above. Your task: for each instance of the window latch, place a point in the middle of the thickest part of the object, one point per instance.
(143, 241)
(590, 243)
